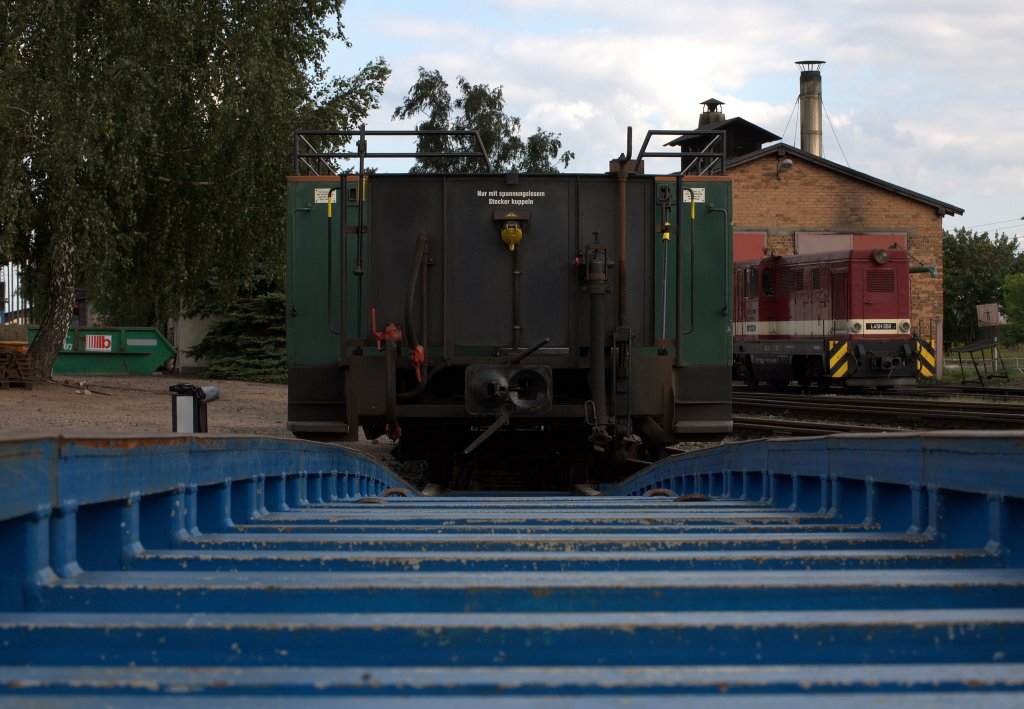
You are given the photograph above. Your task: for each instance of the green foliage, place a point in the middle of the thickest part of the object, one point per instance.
(975, 267)
(145, 145)
(482, 108)
(1013, 308)
(249, 343)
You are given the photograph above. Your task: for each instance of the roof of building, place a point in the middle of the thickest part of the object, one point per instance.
(743, 133)
(782, 150)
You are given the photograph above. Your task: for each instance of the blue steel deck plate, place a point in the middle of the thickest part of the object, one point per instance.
(839, 571)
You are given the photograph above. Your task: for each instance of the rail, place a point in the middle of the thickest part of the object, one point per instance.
(773, 425)
(705, 150)
(929, 413)
(312, 158)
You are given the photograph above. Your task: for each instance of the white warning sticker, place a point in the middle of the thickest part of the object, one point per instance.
(320, 195)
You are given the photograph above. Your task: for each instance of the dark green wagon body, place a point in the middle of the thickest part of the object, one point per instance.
(433, 263)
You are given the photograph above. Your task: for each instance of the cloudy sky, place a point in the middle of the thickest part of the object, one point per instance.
(928, 95)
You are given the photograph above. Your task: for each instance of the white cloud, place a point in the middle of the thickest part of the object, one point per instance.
(928, 95)
(571, 116)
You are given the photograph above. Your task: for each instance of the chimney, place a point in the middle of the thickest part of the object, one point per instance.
(810, 105)
(711, 115)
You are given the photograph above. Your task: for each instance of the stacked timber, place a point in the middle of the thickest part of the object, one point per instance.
(15, 362)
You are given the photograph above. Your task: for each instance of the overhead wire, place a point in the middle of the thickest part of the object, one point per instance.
(1007, 222)
(830, 125)
(835, 135)
(791, 113)
(1001, 221)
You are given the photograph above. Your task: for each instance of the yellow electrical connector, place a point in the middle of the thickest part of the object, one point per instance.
(511, 234)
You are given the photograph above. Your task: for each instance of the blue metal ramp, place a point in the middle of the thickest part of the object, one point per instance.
(841, 571)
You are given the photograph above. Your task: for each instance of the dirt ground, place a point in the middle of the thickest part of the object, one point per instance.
(142, 405)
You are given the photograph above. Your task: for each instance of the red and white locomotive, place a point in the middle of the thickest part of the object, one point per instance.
(839, 317)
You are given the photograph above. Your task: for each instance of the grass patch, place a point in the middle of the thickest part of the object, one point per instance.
(992, 365)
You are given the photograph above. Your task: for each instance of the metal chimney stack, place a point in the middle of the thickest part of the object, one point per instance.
(810, 105)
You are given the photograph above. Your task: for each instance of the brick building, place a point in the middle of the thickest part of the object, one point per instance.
(789, 200)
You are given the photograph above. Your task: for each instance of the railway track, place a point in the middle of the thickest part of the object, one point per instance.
(802, 414)
(1007, 392)
(799, 427)
(921, 391)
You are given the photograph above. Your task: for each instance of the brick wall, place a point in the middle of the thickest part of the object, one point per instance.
(813, 198)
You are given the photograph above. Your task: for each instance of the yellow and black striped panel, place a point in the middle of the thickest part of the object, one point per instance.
(926, 358)
(838, 358)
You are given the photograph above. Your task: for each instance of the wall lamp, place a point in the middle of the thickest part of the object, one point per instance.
(783, 166)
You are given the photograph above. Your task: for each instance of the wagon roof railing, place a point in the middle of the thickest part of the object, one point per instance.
(312, 158)
(704, 149)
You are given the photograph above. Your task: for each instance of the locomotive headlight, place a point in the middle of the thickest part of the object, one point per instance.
(855, 327)
(880, 256)
(904, 326)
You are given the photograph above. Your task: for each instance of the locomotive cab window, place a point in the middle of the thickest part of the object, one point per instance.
(767, 283)
(751, 282)
(785, 282)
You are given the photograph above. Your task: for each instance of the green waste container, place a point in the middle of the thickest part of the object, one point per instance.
(111, 350)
